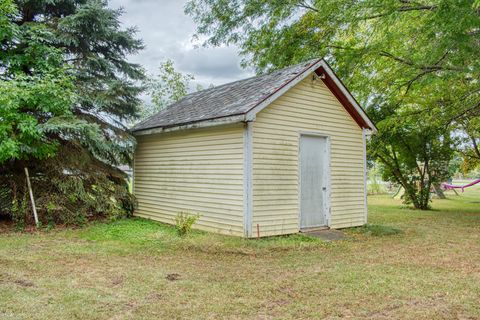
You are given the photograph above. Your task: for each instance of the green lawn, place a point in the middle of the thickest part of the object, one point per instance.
(136, 269)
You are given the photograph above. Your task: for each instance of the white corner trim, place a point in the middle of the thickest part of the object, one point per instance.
(365, 186)
(133, 174)
(200, 124)
(347, 94)
(368, 133)
(247, 179)
(251, 114)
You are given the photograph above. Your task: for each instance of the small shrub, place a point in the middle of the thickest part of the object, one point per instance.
(65, 196)
(184, 222)
(376, 187)
(19, 210)
(375, 184)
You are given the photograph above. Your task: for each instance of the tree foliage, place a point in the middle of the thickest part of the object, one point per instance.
(45, 88)
(413, 64)
(65, 90)
(165, 88)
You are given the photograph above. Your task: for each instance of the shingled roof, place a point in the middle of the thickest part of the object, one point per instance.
(227, 100)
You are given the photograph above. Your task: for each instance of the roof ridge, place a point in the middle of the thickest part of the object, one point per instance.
(229, 98)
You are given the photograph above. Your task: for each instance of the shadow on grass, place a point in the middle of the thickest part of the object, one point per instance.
(377, 230)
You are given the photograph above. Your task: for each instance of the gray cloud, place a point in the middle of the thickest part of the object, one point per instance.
(167, 33)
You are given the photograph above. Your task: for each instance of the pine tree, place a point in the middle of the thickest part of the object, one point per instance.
(75, 51)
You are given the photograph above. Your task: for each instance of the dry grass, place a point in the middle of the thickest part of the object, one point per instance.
(136, 269)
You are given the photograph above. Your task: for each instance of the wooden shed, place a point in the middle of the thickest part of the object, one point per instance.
(269, 155)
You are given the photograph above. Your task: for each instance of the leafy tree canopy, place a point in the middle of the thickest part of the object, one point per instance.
(165, 88)
(413, 64)
(31, 99)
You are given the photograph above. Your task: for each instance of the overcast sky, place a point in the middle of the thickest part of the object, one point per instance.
(167, 34)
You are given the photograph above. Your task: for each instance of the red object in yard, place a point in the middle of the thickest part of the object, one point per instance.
(451, 186)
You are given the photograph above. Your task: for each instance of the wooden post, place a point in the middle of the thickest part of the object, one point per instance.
(31, 197)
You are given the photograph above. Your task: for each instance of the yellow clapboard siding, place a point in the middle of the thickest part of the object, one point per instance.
(196, 170)
(223, 151)
(190, 158)
(280, 149)
(274, 130)
(282, 118)
(192, 182)
(266, 136)
(225, 163)
(201, 140)
(305, 108)
(224, 145)
(168, 209)
(217, 226)
(194, 197)
(166, 174)
(191, 171)
(220, 190)
(199, 137)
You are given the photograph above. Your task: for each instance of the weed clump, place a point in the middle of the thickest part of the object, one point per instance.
(184, 222)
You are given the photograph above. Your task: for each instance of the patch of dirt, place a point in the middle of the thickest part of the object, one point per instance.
(7, 278)
(154, 297)
(117, 281)
(172, 277)
(24, 283)
(131, 304)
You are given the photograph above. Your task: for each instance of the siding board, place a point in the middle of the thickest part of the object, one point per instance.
(305, 108)
(198, 171)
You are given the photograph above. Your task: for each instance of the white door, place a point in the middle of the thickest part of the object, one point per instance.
(313, 181)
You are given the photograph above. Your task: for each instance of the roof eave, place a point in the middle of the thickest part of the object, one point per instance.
(251, 114)
(320, 66)
(345, 97)
(333, 83)
(197, 124)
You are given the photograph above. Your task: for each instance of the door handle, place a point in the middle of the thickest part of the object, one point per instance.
(324, 188)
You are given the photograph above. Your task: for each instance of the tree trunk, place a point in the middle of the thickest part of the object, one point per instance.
(438, 190)
(419, 197)
(424, 194)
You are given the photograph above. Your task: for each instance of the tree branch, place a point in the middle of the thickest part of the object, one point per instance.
(476, 149)
(403, 9)
(424, 72)
(429, 68)
(465, 112)
(307, 6)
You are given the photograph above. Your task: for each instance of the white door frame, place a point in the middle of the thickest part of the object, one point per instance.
(328, 183)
